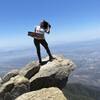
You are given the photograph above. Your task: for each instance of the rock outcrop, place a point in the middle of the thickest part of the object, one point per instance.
(34, 77)
(10, 75)
(14, 87)
(51, 93)
(53, 73)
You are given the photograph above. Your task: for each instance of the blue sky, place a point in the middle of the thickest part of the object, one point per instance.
(71, 20)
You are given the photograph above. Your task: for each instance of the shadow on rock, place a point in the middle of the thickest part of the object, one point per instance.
(44, 62)
(32, 72)
(46, 82)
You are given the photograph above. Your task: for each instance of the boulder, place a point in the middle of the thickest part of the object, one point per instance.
(10, 75)
(52, 74)
(43, 94)
(6, 87)
(14, 87)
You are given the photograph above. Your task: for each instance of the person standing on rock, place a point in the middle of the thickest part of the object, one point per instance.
(40, 31)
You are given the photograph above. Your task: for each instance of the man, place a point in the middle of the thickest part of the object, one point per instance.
(40, 30)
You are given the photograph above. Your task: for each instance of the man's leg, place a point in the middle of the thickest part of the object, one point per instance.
(45, 45)
(37, 45)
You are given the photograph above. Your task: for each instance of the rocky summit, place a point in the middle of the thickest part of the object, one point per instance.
(37, 82)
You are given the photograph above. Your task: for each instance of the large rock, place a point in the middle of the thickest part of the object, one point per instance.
(53, 73)
(43, 94)
(21, 85)
(7, 87)
(14, 87)
(10, 75)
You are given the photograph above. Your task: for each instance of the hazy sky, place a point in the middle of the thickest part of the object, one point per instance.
(71, 20)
